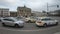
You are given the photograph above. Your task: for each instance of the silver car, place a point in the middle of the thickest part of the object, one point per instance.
(12, 22)
(44, 21)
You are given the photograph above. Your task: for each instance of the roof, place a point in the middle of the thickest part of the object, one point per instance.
(5, 8)
(23, 7)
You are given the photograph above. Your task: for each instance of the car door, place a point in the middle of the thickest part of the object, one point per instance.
(6, 21)
(48, 21)
(51, 22)
(11, 22)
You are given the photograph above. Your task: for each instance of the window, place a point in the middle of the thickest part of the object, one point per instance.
(45, 19)
(8, 19)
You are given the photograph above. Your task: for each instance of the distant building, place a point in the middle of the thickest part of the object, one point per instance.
(24, 11)
(38, 14)
(54, 13)
(13, 14)
(4, 12)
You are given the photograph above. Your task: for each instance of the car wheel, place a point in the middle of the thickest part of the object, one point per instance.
(16, 25)
(45, 25)
(34, 21)
(3, 24)
(56, 23)
(29, 21)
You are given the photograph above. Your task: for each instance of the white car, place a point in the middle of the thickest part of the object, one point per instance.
(12, 22)
(44, 21)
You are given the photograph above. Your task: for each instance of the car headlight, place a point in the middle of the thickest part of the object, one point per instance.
(56, 21)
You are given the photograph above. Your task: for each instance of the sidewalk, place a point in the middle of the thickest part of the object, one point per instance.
(57, 33)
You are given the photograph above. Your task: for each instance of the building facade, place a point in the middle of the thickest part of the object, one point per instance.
(54, 13)
(24, 11)
(13, 14)
(38, 14)
(4, 12)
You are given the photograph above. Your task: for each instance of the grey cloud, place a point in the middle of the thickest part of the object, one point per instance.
(33, 4)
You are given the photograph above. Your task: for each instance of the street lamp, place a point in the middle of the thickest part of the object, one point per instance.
(57, 6)
(47, 7)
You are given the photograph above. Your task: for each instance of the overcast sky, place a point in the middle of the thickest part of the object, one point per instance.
(37, 5)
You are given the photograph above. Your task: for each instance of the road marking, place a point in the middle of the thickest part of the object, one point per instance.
(48, 28)
(18, 30)
(28, 30)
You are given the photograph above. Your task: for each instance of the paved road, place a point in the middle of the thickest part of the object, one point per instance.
(30, 28)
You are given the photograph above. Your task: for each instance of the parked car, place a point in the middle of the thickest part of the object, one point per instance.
(12, 22)
(1, 19)
(45, 21)
(30, 20)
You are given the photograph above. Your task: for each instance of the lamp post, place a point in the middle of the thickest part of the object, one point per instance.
(57, 6)
(47, 7)
(51, 6)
